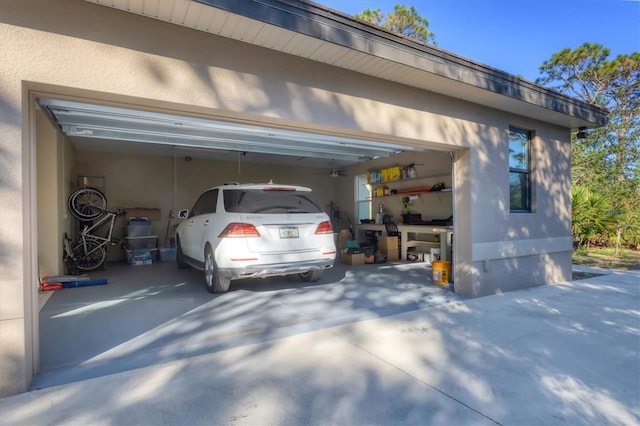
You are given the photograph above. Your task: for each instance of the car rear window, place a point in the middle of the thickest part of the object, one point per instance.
(269, 201)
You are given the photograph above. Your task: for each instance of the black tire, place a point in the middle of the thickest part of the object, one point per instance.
(313, 275)
(182, 264)
(87, 203)
(216, 283)
(89, 255)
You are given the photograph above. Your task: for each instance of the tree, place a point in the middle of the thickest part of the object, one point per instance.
(403, 20)
(608, 160)
(592, 215)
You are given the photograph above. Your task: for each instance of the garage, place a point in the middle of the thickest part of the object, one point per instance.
(153, 102)
(170, 159)
(155, 164)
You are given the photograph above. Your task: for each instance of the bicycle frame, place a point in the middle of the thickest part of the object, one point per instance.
(88, 231)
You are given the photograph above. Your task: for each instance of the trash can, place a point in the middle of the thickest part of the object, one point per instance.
(440, 269)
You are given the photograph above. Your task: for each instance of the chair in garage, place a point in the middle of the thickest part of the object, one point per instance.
(392, 231)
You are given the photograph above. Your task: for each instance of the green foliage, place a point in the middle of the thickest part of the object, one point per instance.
(603, 257)
(403, 20)
(607, 162)
(592, 215)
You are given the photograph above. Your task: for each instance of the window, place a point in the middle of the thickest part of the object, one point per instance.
(362, 193)
(519, 170)
(269, 201)
(206, 203)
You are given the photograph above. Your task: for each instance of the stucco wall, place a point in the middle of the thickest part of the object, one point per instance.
(77, 50)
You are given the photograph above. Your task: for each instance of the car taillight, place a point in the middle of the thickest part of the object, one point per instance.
(239, 230)
(324, 228)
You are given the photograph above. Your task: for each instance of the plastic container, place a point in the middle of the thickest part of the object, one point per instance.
(139, 257)
(138, 227)
(133, 243)
(167, 254)
(440, 269)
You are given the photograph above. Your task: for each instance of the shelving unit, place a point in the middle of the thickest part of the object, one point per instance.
(407, 191)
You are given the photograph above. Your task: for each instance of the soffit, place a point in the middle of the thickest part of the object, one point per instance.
(320, 34)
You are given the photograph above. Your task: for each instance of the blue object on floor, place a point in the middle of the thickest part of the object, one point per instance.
(84, 283)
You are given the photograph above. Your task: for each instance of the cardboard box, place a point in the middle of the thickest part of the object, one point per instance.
(385, 243)
(369, 259)
(353, 259)
(150, 214)
(391, 254)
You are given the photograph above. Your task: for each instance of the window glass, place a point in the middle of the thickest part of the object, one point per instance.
(519, 170)
(519, 149)
(206, 203)
(518, 191)
(269, 201)
(362, 193)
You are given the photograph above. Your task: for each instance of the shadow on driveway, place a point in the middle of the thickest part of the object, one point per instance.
(156, 313)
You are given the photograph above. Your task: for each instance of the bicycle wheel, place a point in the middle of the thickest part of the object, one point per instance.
(89, 254)
(87, 203)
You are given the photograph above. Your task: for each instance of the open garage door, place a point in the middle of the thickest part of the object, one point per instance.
(89, 124)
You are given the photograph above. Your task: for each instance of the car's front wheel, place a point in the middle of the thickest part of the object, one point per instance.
(216, 283)
(313, 275)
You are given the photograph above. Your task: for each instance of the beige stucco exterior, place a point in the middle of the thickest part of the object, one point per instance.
(72, 49)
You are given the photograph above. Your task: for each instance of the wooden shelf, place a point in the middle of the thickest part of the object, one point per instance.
(407, 194)
(439, 176)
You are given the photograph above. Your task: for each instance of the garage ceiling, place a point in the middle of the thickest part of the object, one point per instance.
(115, 129)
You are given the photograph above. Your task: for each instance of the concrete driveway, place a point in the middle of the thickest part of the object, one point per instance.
(560, 354)
(157, 313)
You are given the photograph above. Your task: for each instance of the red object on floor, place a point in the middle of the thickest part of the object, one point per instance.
(51, 286)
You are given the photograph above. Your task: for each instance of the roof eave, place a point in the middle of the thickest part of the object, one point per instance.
(334, 27)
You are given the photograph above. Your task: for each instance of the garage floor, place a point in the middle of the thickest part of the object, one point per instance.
(152, 314)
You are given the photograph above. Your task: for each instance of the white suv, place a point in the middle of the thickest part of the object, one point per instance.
(253, 231)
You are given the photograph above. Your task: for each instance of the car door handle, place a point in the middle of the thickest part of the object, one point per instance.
(206, 222)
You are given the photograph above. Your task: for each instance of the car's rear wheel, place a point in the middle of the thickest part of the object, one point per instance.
(313, 275)
(182, 264)
(216, 283)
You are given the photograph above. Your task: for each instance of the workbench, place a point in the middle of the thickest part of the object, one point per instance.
(408, 237)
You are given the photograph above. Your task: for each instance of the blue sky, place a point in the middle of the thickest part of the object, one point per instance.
(517, 36)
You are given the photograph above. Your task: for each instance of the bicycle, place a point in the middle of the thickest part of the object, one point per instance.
(90, 252)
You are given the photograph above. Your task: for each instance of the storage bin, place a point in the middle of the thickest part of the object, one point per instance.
(134, 243)
(167, 254)
(139, 257)
(138, 227)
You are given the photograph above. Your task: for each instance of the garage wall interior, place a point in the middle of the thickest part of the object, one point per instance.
(171, 183)
(356, 82)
